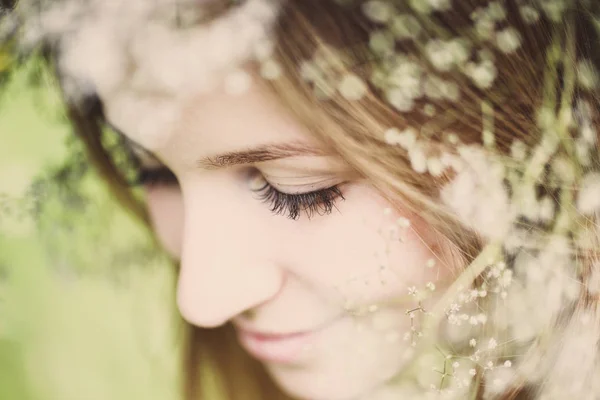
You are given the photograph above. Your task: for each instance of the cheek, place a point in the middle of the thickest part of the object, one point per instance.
(165, 206)
(364, 255)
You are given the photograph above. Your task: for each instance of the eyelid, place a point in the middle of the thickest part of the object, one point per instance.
(292, 188)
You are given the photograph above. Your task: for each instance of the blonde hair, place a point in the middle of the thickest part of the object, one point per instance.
(355, 129)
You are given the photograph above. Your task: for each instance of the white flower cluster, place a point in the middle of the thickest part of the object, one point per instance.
(478, 195)
(126, 49)
(525, 204)
(154, 46)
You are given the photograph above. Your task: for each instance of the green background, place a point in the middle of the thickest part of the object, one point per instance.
(86, 301)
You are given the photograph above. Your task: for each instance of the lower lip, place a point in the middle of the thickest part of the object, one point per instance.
(284, 350)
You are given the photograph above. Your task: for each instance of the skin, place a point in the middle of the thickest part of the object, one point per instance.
(346, 275)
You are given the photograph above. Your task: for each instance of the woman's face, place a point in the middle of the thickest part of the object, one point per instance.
(321, 301)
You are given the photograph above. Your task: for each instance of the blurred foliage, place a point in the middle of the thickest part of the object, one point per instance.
(86, 299)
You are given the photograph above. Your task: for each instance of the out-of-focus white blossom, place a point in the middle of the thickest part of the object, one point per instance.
(588, 201)
(444, 55)
(405, 26)
(529, 14)
(587, 74)
(352, 87)
(378, 11)
(478, 196)
(508, 40)
(270, 70)
(483, 74)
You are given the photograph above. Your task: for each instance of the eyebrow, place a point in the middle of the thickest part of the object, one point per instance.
(263, 153)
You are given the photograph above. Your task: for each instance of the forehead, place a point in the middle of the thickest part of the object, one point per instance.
(206, 123)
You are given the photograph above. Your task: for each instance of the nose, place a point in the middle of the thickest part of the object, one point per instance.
(226, 265)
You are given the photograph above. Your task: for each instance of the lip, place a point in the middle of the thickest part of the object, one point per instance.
(282, 348)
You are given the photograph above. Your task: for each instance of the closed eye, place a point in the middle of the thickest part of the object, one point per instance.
(321, 201)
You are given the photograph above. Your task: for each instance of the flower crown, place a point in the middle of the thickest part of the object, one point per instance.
(537, 207)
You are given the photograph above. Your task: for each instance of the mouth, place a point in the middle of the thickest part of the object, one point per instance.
(281, 348)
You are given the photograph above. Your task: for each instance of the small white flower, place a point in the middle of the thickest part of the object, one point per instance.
(564, 169)
(492, 344)
(430, 286)
(420, 6)
(429, 110)
(506, 278)
(587, 75)
(554, 9)
(518, 150)
(403, 222)
(412, 291)
(483, 74)
(435, 166)
(478, 195)
(378, 11)
(508, 40)
(485, 26)
(309, 71)
(400, 100)
(588, 133)
(418, 159)
(392, 136)
(473, 342)
(430, 263)
(452, 138)
(408, 138)
(270, 70)
(440, 5)
(472, 372)
(507, 364)
(588, 200)
(406, 76)
(546, 209)
(529, 14)
(450, 91)
(405, 26)
(352, 87)
(496, 11)
(444, 55)
(382, 42)
(583, 151)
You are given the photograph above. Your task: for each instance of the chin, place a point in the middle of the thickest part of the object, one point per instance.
(303, 385)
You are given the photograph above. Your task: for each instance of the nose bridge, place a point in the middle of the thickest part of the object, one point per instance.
(226, 267)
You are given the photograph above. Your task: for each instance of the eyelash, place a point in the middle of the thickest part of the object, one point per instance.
(320, 201)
